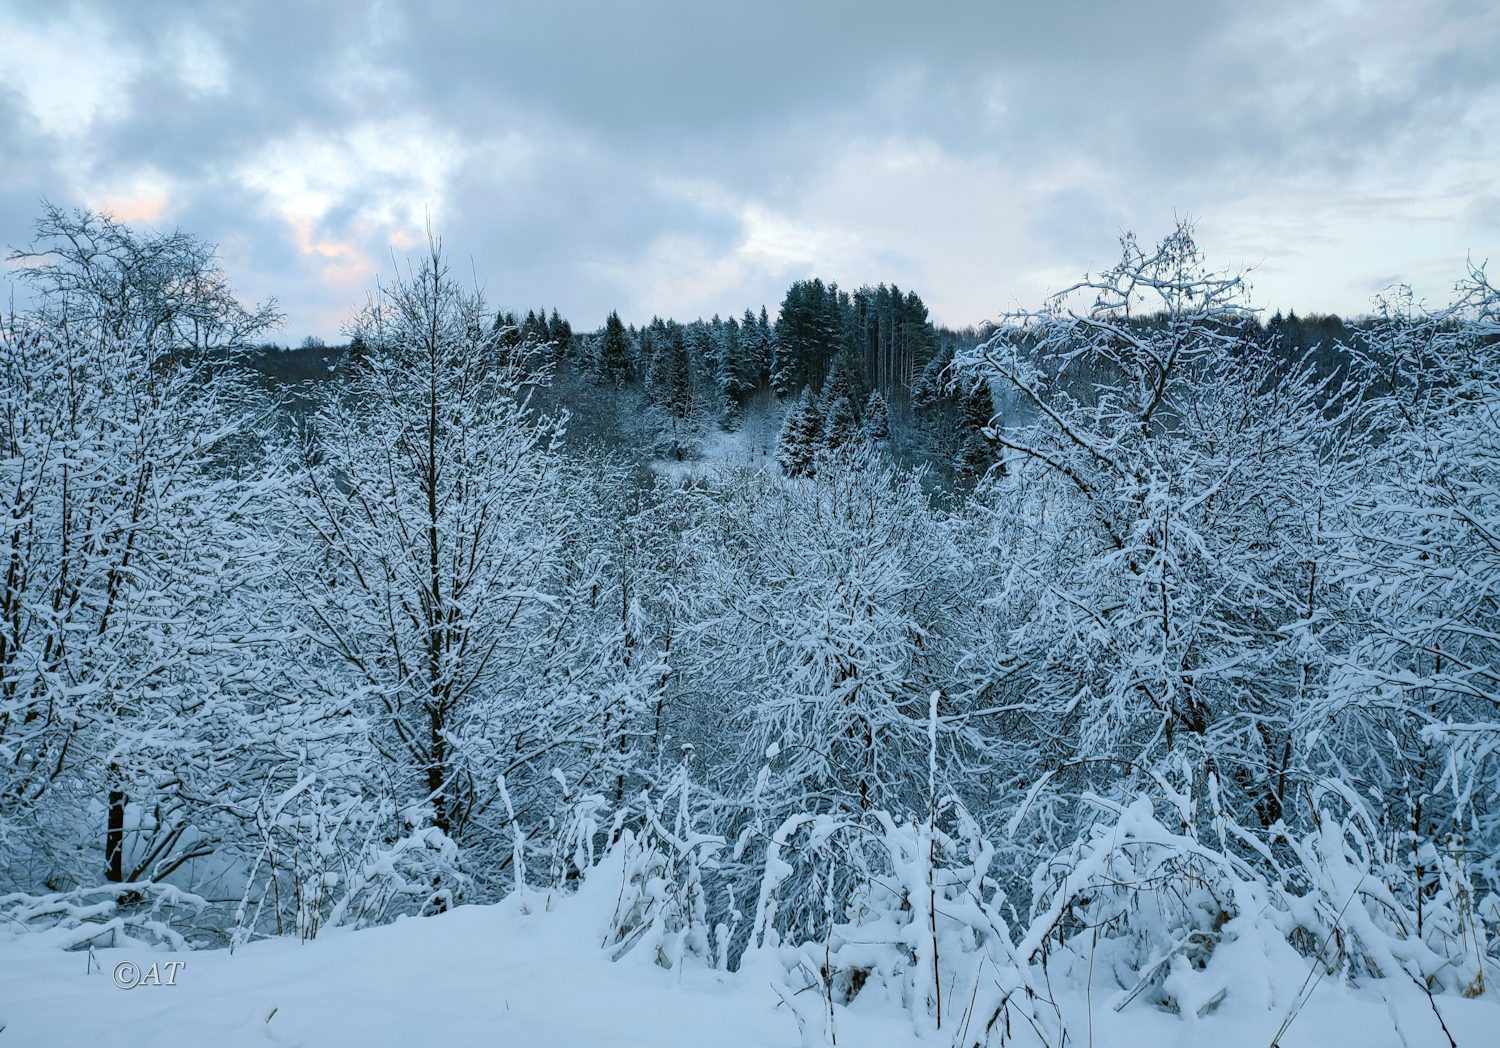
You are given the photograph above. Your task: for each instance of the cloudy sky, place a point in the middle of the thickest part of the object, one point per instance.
(692, 158)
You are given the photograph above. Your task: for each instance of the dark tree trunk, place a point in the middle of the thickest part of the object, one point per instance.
(114, 830)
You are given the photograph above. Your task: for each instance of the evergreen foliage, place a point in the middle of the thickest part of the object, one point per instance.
(670, 380)
(616, 361)
(801, 437)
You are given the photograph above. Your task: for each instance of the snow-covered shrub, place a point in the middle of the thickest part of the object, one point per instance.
(1404, 742)
(420, 872)
(576, 837)
(139, 914)
(814, 631)
(331, 856)
(904, 905)
(1371, 920)
(661, 859)
(1156, 914)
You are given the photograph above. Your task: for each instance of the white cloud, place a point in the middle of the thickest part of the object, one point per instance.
(389, 173)
(70, 72)
(687, 275)
(199, 61)
(983, 163)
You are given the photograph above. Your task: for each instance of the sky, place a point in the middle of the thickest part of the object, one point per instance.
(692, 158)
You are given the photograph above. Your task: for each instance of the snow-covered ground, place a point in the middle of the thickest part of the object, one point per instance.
(517, 975)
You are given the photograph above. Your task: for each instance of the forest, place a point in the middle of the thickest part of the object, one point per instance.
(1135, 639)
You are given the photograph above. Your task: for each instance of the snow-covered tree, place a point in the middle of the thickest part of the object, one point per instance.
(134, 632)
(839, 423)
(616, 361)
(431, 504)
(875, 423)
(1411, 717)
(801, 436)
(1171, 576)
(818, 603)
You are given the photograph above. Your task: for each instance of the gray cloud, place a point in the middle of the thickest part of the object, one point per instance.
(684, 157)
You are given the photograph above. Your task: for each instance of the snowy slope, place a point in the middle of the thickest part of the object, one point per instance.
(499, 976)
(478, 975)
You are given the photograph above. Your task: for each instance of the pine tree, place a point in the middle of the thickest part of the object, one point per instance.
(507, 332)
(801, 437)
(839, 424)
(808, 335)
(765, 348)
(670, 377)
(876, 424)
(703, 360)
(840, 382)
(616, 362)
(646, 347)
(358, 355)
(931, 386)
(755, 358)
(730, 369)
(977, 452)
(561, 332)
(890, 335)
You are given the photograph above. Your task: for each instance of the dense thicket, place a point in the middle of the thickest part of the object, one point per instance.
(1201, 664)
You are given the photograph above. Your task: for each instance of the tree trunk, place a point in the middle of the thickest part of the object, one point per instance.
(114, 830)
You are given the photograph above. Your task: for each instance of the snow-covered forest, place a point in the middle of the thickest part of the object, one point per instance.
(1136, 649)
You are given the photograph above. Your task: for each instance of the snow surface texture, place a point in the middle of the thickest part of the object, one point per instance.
(514, 974)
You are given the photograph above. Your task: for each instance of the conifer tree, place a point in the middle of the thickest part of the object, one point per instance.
(358, 354)
(977, 451)
(561, 332)
(670, 376)
(801, 437)
(730, 373)
(808, 335)
(616, 362)
(839, 424)
(875, 426)
(840, 382)
(755, 353)
(703, 359)
(765, 345)
(646, 342)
